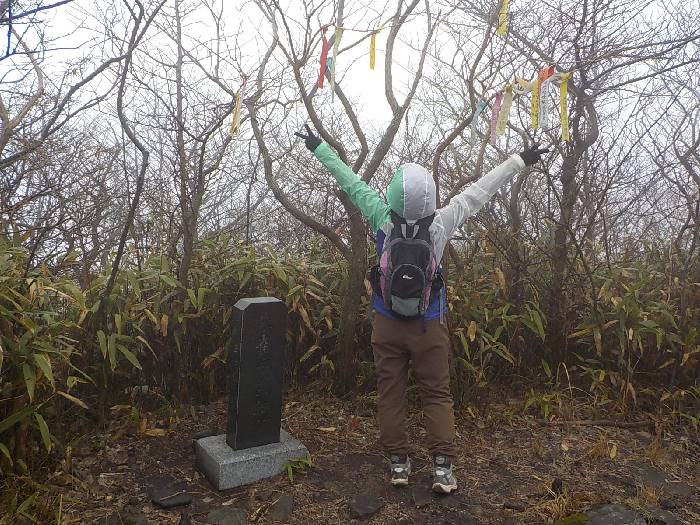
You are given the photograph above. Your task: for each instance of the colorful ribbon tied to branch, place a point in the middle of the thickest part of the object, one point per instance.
(544, 103)
(336, 43)
(324, 57)
(480, 107)
(494, 117)
(503, 19)
(535, 107)
(545, 73)
(372, 49)
(542, 76)
(236, 118)
(546, 76)
(504, 113)
(563, 106)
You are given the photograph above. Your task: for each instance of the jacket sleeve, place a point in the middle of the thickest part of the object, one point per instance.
(471, 200)
(365, 198)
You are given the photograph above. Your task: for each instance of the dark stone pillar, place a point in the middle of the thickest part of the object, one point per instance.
(256, 363)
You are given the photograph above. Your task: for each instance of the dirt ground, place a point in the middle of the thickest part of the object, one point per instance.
(512, 470)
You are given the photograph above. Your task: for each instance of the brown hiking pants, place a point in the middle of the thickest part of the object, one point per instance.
(395, 343)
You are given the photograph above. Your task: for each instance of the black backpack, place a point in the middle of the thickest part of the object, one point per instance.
(407, 273)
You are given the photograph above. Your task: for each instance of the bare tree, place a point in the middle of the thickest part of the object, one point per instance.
(294, 42)
(608, 56)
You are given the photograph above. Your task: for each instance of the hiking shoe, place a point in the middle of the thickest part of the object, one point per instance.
(444, 481)
(400, 469)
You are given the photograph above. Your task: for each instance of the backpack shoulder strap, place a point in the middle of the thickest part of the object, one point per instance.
(399, 225)
(397, 219)
(423, 227)
(426, 221)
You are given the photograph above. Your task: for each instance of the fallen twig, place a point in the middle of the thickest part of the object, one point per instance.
(598, 423)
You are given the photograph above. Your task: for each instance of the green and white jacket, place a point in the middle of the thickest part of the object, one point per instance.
(411, 194)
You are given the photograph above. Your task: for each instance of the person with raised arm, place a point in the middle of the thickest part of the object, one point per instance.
(409, 296)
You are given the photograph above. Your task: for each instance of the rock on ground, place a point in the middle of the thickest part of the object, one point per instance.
(167, 492)
(228, 516)
(282, 508)
(364, 506)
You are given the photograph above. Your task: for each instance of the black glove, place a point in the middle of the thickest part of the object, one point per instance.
(311, 141)
(532, 156)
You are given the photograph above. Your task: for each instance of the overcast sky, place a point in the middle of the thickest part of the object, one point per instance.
(73, 27)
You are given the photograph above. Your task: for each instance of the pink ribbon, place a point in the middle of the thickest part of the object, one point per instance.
(494, 116)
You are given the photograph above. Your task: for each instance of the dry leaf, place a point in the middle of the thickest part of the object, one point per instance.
(564, 446)
(632, 391)
(164, 325)
(326, 429)
(471, 331)
(613, 451)
(155, 432)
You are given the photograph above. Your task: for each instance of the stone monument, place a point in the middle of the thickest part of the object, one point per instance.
(254, 446)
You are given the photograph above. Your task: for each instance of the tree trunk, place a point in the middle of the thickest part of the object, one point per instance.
(346, 345)
(556, 335)
(515, 250)
(182, 161)
(585, 133)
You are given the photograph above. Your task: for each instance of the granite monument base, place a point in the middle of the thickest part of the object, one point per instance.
(226, 468)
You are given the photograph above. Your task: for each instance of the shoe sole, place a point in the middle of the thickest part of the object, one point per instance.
(402, 482)
(443, 489)
(399, 482)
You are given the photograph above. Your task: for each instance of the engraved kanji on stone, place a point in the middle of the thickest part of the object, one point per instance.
(262, 350)
(255, 372)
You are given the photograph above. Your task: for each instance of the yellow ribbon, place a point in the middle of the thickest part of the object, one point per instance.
(535, 109)
(236, 119)
(563, 106)
(503, 19)
(372, 50)
(505, 112)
